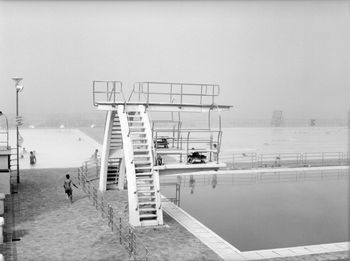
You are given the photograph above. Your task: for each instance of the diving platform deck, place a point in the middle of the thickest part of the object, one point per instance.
(163, 106)
(179, 169)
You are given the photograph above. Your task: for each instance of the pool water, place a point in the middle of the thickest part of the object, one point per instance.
(271, 214)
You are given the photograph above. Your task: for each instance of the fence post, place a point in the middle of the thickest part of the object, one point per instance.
(130, 243)
(120, 230)
(233, 160)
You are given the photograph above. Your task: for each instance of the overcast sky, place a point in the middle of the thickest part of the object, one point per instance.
(266, 55)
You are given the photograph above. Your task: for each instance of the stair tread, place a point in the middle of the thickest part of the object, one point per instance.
(143, 174)
(147, 203)
(141, 186)
(147, 209)
(146, 191)
(111, 182)
(144, 179)
(148, 215)
(146, 197)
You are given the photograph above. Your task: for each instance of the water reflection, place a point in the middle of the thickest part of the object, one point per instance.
(214, 181)
(192, 183)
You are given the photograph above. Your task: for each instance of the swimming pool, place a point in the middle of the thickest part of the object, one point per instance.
(255, 212)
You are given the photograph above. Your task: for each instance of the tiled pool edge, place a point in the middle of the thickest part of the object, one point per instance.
(228, 252)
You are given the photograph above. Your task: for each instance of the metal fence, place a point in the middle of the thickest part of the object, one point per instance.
(266, 160)
(119, 225)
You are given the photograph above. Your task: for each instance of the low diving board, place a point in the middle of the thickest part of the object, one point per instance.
(182, 168)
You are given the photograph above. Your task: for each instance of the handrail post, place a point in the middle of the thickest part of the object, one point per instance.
(155, 148)
(188, 136)
(233, 160)
(181, 92)
(148, 93)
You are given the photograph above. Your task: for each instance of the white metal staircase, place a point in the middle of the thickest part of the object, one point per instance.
(115, 158)
(143, 181)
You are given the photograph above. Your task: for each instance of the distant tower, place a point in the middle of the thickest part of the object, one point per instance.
(277, 119)
(312, 122)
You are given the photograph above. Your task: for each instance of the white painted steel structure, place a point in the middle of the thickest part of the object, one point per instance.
(129, 153)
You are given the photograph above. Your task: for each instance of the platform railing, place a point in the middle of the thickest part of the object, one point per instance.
(107, 91)
(171, 126)
(119, 225)
(175, 93)
(265, 160)
(189, 141)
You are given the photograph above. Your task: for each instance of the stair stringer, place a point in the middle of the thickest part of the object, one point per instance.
(121, 180)
(106, 151)
(148, 130)
(134, 217)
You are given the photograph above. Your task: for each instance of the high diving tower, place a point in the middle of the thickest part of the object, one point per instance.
(136, 150)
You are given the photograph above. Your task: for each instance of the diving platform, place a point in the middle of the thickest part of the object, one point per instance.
(171, 107)
(136, 149)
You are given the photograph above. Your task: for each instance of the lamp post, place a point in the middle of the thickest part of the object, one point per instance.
(19, 88)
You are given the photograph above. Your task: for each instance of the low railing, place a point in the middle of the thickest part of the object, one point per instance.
(189, 141)
(229, 179)
(119, 225)
(175, 199)
(171, 128)
(177, 93)
(256, 160)
(107, 91)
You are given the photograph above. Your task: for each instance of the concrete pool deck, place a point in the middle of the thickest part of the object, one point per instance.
(51, 149)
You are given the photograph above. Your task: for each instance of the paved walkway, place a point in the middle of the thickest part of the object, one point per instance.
(50, 228)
